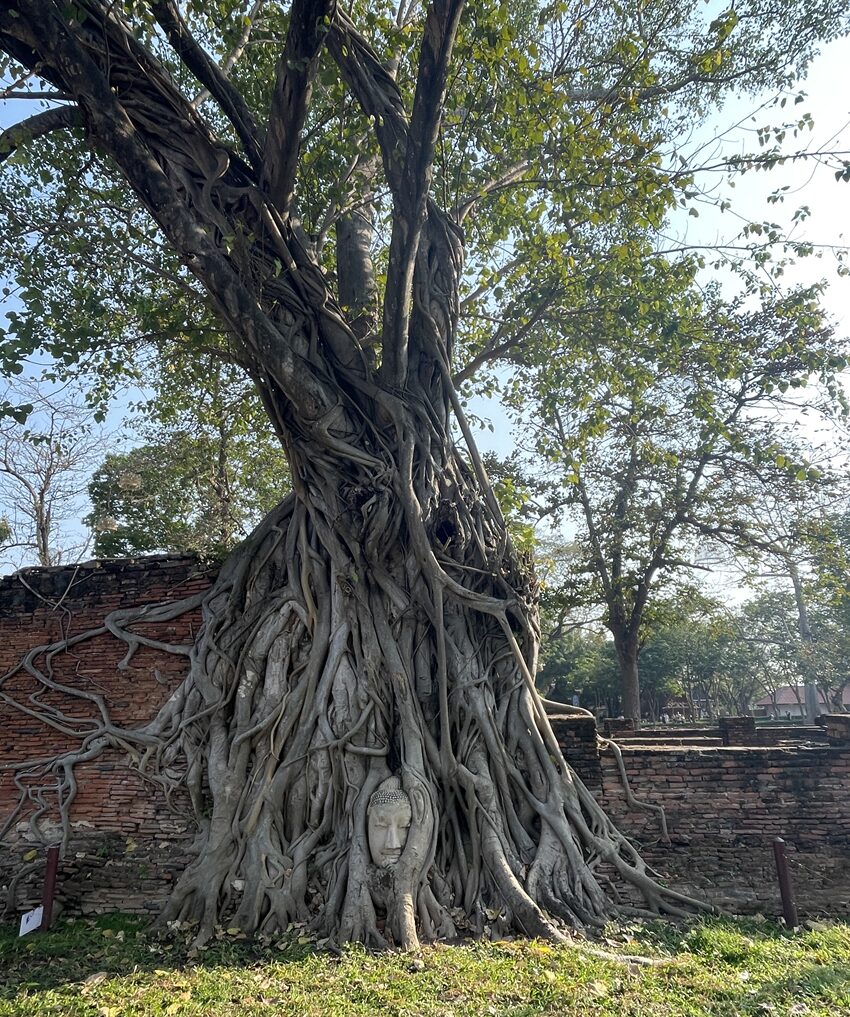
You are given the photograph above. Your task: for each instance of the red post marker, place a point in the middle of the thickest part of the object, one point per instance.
(49, 888)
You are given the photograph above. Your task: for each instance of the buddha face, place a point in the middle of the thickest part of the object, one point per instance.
(388, 820)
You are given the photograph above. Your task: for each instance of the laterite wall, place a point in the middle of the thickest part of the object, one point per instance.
(725, 806)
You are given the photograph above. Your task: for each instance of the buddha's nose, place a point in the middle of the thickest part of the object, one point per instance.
(393, 836)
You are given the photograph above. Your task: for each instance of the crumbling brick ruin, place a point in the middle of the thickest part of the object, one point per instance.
(724, 803)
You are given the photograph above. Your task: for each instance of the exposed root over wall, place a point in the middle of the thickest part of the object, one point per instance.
(308, 685)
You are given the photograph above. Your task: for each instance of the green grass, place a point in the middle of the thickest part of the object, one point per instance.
(110, 967)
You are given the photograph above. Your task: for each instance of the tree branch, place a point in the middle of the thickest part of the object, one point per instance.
(375, 89)
(135, 150)
(309, 23)
(511, 175)
(237, 51)
(29, 96)
(482, 288)
(498, 345)
(63, 118)
(609, 93)
(411, 199)
(599, 560)
(211, 76)
(441, 25)
(683, 563)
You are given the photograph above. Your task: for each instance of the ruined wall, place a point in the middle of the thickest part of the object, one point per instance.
(724, 804)
(127, 842)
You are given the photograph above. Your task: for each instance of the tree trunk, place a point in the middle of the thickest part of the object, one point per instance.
(808, 664)
(803, 626)
(331, 658)
(340, 648)
(627, 649)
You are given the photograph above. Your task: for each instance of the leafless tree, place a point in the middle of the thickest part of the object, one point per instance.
(45, 466)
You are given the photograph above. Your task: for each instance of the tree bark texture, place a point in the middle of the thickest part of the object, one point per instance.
(627, 659)
(379, 621)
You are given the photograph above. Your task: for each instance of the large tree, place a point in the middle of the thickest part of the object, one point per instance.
(378, 621)
(683, 429)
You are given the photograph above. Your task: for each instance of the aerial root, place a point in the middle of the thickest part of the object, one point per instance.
(311, 682)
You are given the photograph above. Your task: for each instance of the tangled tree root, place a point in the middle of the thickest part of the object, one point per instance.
(307, 687)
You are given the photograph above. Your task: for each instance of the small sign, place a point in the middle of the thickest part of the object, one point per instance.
(31, 920)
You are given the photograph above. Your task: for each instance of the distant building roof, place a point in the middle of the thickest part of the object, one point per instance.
(787, 696)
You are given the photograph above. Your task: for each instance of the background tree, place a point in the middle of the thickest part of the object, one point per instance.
(581, 663)
(768, 636)
(5, 533)
(317, 202)
(798, 546)
(767, 630)
(830, 591)
(44, 468)
(698, 660)
(693, 661)
(208, 470)
(672, 433)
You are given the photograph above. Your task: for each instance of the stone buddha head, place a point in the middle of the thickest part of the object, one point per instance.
(388, 820)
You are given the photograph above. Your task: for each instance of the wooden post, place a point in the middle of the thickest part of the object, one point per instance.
(49, 889)
(789, 907)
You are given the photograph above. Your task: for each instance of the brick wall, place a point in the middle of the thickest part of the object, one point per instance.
(724, 804)
(579, 743)
(724, 807)
(127, 843)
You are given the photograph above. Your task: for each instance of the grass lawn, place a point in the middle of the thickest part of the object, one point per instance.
(110, 967)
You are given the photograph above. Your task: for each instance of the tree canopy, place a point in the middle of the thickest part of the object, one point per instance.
(559, 184)
(677, 435)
